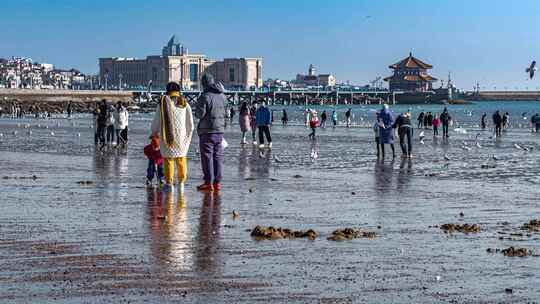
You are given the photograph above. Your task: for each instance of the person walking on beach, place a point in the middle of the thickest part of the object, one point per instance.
(232, 113)
(535, 121)
(95, 115)
(497, 122)
(253, 118)
(245, 121)
(110, 124)
(376, 130)
(173, 125)
(323, 119)
(386, 137)
(69, 110)
(122, 118)
(420, 119)
(430, 120)
(313, 124)
(426, 120)
(404, 127)
(155, 162)
(334, 118)
(483, 121)
(348, 117)
(445, 121)
(436, 123)
(102, 122)
(505, 121)
(284, 117)
(210, 111)
(264, 120)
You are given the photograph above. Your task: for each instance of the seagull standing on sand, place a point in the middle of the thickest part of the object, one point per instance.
(446, 157)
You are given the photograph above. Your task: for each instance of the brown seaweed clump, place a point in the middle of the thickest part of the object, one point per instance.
(465, 228)
(349, 234)
(273, 233)
(532, 225)
(516, 252)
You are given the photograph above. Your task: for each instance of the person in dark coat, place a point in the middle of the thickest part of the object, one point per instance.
(210, 110)
(102, 121)
(420, 120)
(535, 121)
(483, 122)
(404, 127)
(386, 137)
(445, 121)
(497, 122)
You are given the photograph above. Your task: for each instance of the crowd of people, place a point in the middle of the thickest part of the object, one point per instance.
(111, 125)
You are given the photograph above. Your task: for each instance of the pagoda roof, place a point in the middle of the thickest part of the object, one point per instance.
(414, 78)
(410, 62)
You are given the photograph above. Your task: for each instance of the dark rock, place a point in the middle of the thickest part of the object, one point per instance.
(272, 233)
(465, 228)
(349, 234)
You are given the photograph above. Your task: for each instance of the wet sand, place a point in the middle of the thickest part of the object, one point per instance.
(112, 240)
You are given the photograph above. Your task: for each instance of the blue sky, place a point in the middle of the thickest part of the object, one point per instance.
(487, 41)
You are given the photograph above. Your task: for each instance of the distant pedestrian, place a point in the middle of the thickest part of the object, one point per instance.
(505, 119)
(110, 124)
(264, 120)
(323, 119)
(69, 109)
(430, 120)
(436, 123)
(535, 121)
(102, 122)
(334, 118)
(483, 121)
(306, 117)
(497, 122)
(376, 130)
(284, 117)
(426, 118)
(173, 124)
(445, 121)
(252, 116)
(420, 119)
(121, 124)
(232, 113)
(386, 137)
(313, 124)
(405, 130)
(210, 111)
(348, 117)
(244, 120)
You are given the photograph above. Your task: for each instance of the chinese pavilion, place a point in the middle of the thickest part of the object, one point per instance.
(410, 74)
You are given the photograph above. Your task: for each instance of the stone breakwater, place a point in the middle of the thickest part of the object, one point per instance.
(56, 101)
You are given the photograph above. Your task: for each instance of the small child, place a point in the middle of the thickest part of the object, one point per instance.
(155, 161)
(313, 124)
(436, 123)
(377, 134)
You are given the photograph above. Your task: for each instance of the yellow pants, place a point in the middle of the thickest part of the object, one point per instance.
(181, 169)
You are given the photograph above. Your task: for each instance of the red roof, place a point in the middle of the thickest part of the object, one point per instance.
(411, 62)
(411, 78)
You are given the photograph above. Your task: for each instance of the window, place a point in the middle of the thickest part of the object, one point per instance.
(231, 74)
(194, 72)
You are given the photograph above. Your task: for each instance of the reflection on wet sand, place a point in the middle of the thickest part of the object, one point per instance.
(170, 232)
(207, 260)
(405, 173)
(383, 175)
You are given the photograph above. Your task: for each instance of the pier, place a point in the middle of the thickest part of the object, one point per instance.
(326, 97)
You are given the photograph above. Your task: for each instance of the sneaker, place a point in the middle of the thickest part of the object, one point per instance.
(254, 143)
(205, 187)
(217, 186)
(148, 182)
(270, 145)
(261, 146)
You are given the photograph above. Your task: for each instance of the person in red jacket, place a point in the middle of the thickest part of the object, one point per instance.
(436, 123)
(313, 124)
(155, 161)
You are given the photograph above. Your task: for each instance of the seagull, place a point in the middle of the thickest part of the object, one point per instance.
(446, 157)
(14, 132)
(518, 146)
(466, 148)
(495, 157)
(464, 143)
(478, 145)
(29, 132)
(531, 69)
(277, 160)
(78, 134)
(52, 133)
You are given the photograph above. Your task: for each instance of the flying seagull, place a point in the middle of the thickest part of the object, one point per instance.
(531, 69)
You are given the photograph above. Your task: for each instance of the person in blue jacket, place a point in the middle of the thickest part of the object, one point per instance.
(263, 118)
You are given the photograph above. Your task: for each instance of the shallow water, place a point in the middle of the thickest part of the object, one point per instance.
(117, 241)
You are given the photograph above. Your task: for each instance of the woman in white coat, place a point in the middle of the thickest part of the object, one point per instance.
(173, 123)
